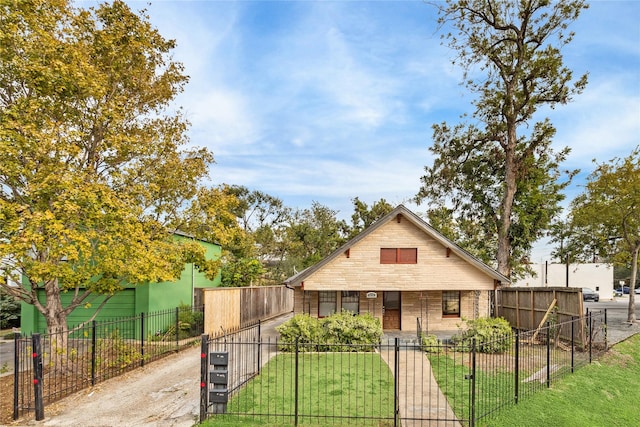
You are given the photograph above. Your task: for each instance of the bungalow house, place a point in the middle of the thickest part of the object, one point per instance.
(133, 300)
(402, 271)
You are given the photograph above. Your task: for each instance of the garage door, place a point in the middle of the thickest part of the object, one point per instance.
(122, 304)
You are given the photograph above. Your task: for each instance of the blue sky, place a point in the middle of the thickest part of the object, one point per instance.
(325, 101)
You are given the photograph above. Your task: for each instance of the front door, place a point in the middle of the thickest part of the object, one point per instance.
(391, 310)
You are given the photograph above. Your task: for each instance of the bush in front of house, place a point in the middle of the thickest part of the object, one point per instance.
(348, 332)
(304, 328)
(430, 343)
(338, 332)
(492, 335)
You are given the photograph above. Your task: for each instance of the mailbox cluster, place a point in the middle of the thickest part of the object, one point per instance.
(219, 378)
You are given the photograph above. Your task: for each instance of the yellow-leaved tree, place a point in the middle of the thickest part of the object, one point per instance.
(94, 171)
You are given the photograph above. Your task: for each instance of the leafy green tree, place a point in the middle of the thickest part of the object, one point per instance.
(499, 174)
(213, 216)
(257, 209)
(241, 272)
(94, 176)
(606, 217)
(313, 234)
(465, 231)
(265, 218)
(363, 216)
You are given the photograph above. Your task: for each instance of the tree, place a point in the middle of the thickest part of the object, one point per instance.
(93, 174)
(9, 311)
(606, 217)
(265, 218)
(499, 174)
(313, 234)
(363, 216)
(214, 216)
(257, 209)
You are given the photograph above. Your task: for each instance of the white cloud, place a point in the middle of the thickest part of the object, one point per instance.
(602, 123)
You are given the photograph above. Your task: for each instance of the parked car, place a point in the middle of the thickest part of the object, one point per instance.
(617, 292)
(589, 294)
(637, 291)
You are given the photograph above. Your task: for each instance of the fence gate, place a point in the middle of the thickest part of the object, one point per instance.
(406, 383)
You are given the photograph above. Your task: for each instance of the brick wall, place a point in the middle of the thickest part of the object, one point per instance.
(426, 305)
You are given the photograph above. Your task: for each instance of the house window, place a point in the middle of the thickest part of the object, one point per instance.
(398, 255)
(351, 301)
(450, 303)
(326, 303)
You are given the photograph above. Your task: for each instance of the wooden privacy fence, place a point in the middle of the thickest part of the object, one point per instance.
(228, 309)
(529, 308)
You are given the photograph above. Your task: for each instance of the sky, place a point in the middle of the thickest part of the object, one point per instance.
(330, 100)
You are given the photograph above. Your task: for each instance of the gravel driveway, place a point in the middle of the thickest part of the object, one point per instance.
(163, 393)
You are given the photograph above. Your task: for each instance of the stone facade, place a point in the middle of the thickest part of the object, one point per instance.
(425, 306)
(440, 266)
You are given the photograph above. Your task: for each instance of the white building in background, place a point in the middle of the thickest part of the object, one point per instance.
(598, 277)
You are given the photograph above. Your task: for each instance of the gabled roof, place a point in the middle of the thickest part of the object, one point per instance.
(418, 222)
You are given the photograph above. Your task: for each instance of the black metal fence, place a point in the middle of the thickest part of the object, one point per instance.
(254, 381)
(49, 367)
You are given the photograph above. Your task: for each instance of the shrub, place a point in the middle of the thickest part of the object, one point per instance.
(338, 332)
(115, 352)
(359, 332)
(430, 343)
(492, 335)
(304, 328)
(9, 311)
(190, 322)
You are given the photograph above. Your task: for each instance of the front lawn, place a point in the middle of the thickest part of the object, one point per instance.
(333, 388)
(604, 393)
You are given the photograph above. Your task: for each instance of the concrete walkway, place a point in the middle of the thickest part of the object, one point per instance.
(421, 401)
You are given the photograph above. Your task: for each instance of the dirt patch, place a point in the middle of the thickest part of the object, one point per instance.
(6, 399)
(163, 393)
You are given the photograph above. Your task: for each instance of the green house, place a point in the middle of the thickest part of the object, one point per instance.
(134, 300)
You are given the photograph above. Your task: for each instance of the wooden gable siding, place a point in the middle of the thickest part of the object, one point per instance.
(362, 271)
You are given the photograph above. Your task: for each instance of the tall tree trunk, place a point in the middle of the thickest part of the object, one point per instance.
(504, 240)
(56, 318)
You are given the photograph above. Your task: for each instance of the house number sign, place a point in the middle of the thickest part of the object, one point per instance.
(372, 295)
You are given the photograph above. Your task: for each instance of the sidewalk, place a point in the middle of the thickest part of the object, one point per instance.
(421, 402)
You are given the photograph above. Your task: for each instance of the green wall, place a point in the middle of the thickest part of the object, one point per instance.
(133, 300)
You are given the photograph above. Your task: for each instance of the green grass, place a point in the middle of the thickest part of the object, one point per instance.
(333, 388)
(492, 387)
(604, 393)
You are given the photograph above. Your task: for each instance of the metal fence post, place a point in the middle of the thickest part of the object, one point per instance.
(177, 328)
(548, 355)
(517, 368)
(37, 376)
(590, 337)
(93, 352)
(142, 339)
(204, 377)
(472, 417)
(573, 342)
(296, 402)
(606, 337)
(259, 345)
(396, 385)
(16, 373)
